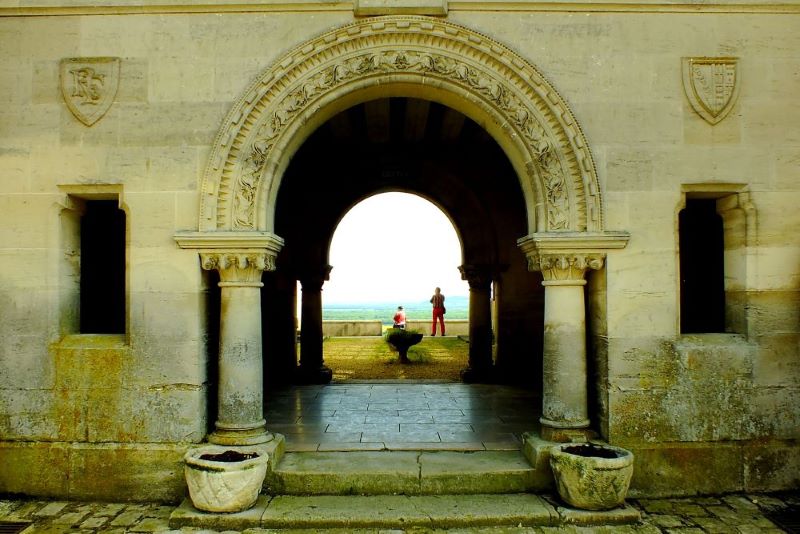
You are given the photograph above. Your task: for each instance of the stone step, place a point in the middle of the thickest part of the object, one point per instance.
(398, 512)
(403, 472)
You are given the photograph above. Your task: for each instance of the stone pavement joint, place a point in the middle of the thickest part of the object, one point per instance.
(734, 514)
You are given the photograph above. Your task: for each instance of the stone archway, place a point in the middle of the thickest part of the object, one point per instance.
(414, 57)
(401, 56)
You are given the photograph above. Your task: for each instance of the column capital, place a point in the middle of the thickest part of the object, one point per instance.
(238, 267)
(240, 257)
(566, 256)
(477, 276)
(311, 278)
(564, 267)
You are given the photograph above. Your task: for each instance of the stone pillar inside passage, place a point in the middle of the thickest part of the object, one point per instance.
(479, 278)
(312, 368)
(240, 415)
(563, 259)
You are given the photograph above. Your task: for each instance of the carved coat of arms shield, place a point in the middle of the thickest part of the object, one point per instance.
(89, 85)
(711, 85)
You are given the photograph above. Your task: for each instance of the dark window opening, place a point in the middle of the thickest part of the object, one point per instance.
(103, 268)
(702, 267)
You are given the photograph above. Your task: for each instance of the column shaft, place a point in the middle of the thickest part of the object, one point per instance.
(311, 328)
(564, 393)
(240, 395)
(312, 368)
(479, 278)
(480, 328)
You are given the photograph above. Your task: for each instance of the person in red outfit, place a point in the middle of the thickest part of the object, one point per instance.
(399, 318)
(438, 310)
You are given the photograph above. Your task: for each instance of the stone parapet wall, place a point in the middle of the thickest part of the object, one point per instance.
(351, 328)
(456, 327)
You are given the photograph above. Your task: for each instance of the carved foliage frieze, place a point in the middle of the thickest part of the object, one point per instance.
(244, 163)
(545, 161)
(89, 86)
(711, 85)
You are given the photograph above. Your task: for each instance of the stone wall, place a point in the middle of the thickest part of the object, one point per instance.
(704, 413)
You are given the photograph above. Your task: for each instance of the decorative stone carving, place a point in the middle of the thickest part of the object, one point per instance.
(563, 256)
(224, 486)
(711, 85)
(563, 267)
(238, 266)
(89, 86)
(248, 158)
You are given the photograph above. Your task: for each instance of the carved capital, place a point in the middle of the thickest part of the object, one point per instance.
(566, 256)
(564, 267)
(242, 267)
(477, 276)
(313, 280)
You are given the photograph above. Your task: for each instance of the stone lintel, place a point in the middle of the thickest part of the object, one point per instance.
(572, 242)
(366, 8)
(224, 241)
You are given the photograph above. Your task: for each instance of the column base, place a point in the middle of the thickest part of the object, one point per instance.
(240, 437)
(567, 435)
(316, 375)
(477, 375)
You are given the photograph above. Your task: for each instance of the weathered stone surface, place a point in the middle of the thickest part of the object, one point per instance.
(401, 472)
(187, 515)
(696, 411)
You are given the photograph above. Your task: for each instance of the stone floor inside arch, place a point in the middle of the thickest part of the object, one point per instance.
(402, 415)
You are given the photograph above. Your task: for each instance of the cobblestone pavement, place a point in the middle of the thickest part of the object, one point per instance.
(735, 514)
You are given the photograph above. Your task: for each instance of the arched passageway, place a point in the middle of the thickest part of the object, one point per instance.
(408, 57)
(425, 148)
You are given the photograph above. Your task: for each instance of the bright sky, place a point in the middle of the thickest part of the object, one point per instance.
(393, 247)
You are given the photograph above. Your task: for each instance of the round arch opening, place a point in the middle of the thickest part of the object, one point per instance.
(419, 147)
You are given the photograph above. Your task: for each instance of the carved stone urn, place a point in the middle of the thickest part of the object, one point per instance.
(590, 476)
(225, 479)
(402, 340)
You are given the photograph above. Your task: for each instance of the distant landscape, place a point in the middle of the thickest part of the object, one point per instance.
(457, 308)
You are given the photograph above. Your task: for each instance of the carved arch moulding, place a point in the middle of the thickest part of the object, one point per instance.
(401, 56)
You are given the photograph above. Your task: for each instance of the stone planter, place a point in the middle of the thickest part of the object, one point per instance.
(402, 340)
(225, 479)
(591, 477)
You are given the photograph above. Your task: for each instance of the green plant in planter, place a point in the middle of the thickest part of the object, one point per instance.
(402, 340)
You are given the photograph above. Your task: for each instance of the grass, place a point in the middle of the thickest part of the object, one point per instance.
(372, 358)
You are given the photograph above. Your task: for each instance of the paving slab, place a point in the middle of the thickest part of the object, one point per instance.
(51, 510)
(336, 473)
(187, 515)
(336, 511)
(623, 515)
(448, 511)
(477, 472)
(400, 511)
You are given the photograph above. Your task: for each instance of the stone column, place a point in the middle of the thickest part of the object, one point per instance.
(479, 278)
(564, 391)
(240, 415)
(312, 368)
